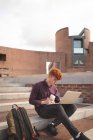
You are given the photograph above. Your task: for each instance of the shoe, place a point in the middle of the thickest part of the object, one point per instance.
(52, 130)
(82, 137)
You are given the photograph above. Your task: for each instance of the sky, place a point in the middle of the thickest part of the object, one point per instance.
(32, 24)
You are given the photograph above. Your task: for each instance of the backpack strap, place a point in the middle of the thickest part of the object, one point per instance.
(31, 129)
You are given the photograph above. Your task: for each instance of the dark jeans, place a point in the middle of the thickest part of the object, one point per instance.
(61, 113)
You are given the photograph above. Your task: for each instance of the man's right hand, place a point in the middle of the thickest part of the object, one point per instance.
(47, 101)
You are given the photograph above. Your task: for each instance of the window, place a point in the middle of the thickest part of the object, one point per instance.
(78, 59)
(77, 46)
(78, 52)
(2, 57)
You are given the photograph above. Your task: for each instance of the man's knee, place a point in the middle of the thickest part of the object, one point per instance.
(59, 107)
(69, 109)
(72, 109)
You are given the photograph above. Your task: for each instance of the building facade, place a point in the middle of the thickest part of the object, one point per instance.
(73, 53)
(78, 50)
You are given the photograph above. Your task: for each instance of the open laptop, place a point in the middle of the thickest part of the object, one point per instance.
(70, 97)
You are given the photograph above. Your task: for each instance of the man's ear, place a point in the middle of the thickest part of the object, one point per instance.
(49, 75)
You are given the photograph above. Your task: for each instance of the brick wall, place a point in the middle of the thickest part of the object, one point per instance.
(23, 62)
(64, 44)
(86, 89)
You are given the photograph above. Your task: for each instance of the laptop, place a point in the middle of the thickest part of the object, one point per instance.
(70, 97)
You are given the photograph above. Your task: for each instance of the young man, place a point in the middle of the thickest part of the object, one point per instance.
(44, 97)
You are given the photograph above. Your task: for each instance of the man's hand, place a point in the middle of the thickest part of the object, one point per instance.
(47, 101)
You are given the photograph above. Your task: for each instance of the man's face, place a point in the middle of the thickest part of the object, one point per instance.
(52, 80)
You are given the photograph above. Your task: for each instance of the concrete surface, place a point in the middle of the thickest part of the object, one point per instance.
(84, 125)
(68, 78)
(41, 123)
(14, 89)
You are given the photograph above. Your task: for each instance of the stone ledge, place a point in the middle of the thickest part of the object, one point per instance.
(89, 134)
(14, 89)
(7, 106)
(14, 95)
(41, 123)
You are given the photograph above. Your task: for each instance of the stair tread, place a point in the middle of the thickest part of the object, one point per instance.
(10, 103)
(12, 100)
(15, 89)
(2, 93)
(31, 112)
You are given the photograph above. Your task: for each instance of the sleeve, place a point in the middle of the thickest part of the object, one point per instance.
(57, 96)
(33, 96)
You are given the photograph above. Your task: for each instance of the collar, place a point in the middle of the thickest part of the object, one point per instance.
(47, 83)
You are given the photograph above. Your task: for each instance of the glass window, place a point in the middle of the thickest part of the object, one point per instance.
(78, 50)
(77, 46)
(2, 57)
(78, 59)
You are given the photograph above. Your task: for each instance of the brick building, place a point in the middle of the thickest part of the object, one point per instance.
(73, 53)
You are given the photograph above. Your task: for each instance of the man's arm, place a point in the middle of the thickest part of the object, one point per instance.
(34, 94)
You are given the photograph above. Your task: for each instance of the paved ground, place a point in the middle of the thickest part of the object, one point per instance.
(83, 125)
(68, 78)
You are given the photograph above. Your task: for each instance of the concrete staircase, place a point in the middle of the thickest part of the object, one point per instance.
(13, 93)
(17, 93)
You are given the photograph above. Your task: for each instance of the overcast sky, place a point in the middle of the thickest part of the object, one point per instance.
(32, 24)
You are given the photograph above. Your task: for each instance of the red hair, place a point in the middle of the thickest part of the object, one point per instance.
(56, 72)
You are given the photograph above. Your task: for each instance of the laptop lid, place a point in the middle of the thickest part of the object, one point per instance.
(70, 97)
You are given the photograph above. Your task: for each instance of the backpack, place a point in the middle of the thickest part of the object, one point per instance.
(19, 125)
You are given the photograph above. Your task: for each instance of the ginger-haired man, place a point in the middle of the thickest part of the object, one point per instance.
(44, 97)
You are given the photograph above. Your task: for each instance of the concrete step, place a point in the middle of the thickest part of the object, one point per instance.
(14, 95)
(41, 123)
(83, 112)
(13, 100)
(7, 106)
(68, 78)
(24, 79)
(14, 89)
(6, 84)
(31, 112)
(89, 134)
